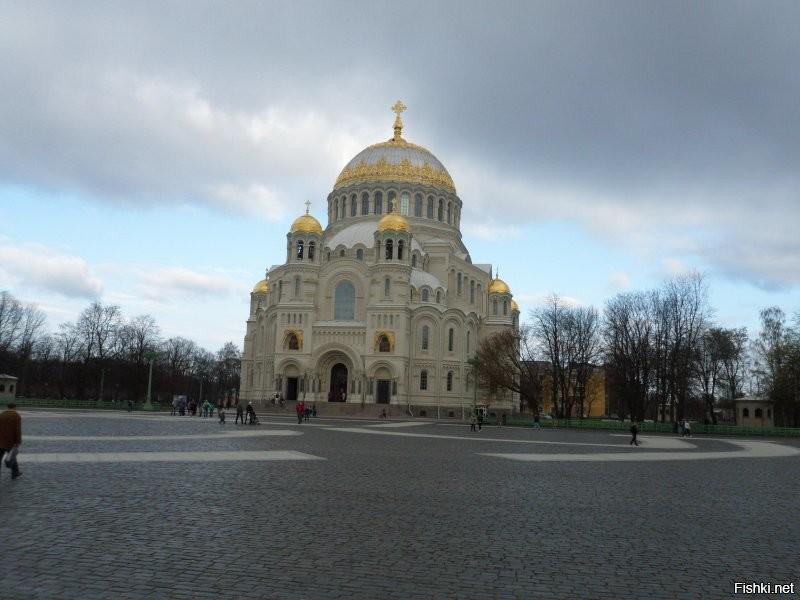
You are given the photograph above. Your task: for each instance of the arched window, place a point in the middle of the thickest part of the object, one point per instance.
(505, 308)
(423, 380)
(365, 203)
(430, 207)
(297, 286)
(391, 196)
(745, 412)
(378, 203)
(293, 342)
(449, 381)
(389, 249)
(458, 284)
(425, 334)
(299, 249)
(311, 247)
(449, 212)
(440, 212)
(344, 307)
(418, 205)
(400, 245)
(342, 208)
(414, 260)
(759, 413)
(438, 297)
(424, 294)
(353, 209)
(404, 199)
(387, 287)
(450, 339)
(494, 307)
(468, 340)
(383, 344)
(359, 254)
(472, 292)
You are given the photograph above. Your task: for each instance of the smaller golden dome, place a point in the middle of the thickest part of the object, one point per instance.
(514, 306)
(306, 223)
(394, 221)
(262, 287)
(498, 286)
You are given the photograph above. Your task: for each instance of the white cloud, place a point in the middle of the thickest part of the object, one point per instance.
(170, 284)
(39, 267)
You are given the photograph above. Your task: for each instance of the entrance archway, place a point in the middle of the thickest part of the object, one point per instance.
(338, 389)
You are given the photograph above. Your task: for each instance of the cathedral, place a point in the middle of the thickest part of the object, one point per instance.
(384, 305)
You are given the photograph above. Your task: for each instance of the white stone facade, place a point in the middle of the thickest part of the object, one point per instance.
(382, 306)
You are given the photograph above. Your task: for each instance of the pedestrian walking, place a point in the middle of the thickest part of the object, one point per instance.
(536, 421)
(239, 413)
(687, 428)
(10, 438)
(480, 420)
(222, 415)
(634, 433)
(300, 407)
(473, 421)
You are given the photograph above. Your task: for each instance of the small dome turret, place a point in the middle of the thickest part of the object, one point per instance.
(306, 223)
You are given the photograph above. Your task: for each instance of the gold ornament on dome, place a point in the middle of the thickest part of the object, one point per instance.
(404, 171)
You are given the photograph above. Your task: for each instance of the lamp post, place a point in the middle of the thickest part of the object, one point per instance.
(475, 362)
(150, 355)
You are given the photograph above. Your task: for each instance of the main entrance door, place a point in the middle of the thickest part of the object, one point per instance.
(338, 389)
(291, 388)
(384, 391)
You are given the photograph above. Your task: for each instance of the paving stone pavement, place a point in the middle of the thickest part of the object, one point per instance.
(117, 505)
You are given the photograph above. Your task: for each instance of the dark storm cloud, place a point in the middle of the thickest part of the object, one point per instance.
(653, 114)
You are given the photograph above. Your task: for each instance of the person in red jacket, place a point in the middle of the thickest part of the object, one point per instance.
(10, 438)
(301, 410)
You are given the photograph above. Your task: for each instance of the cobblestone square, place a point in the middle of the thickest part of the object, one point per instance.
(116, 505)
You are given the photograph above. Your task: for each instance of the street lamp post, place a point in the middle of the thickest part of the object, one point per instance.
(151, 358)
(475, 362)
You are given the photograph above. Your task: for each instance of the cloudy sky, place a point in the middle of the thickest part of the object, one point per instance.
(154, 154)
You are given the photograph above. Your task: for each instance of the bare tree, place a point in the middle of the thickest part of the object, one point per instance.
(719, 364)
(508, 359)
(628, 330)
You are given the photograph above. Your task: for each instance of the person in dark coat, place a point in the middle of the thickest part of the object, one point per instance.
(634, 433)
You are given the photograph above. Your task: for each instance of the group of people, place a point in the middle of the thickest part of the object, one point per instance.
(246, 414)
(685, 428)
(304, 413)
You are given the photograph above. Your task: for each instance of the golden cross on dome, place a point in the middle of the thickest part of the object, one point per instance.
(308, 205)
(398, 123)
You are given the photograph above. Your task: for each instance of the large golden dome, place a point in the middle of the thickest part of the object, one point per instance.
(396, 160)
(306, 223)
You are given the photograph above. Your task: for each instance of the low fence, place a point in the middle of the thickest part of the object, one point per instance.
(68, 403)
(648, 427)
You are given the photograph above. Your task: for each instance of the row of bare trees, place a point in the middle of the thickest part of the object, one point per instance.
(103, 355)
(662, 355)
